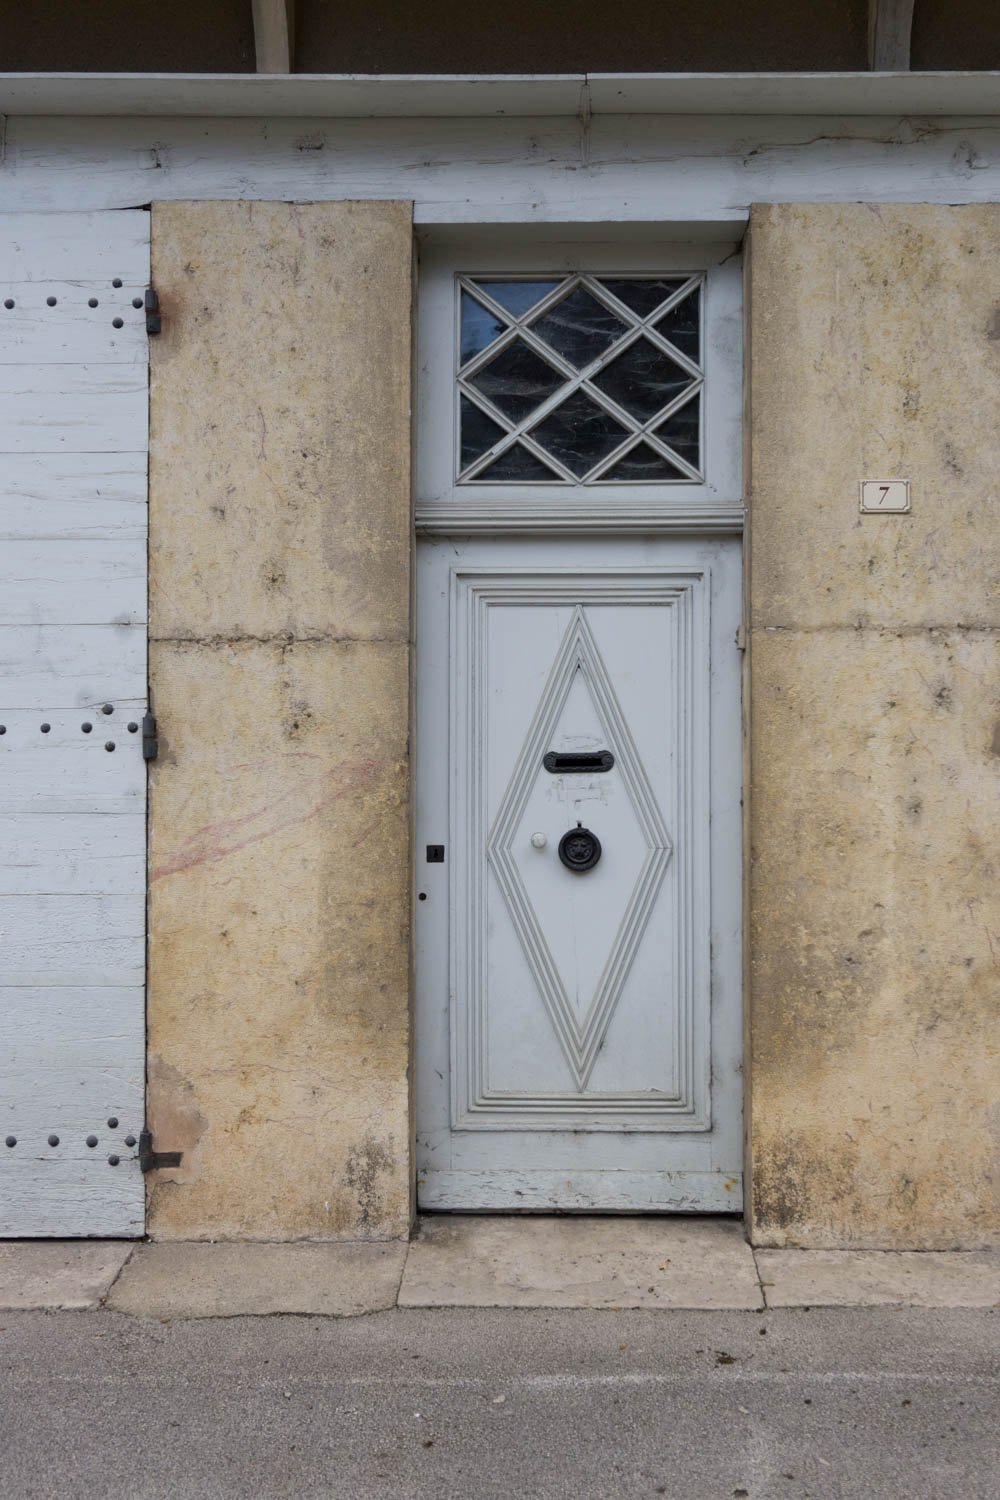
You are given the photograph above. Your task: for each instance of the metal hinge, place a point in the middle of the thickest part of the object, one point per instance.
(150, 743)
(150, 1160)
(152, 303)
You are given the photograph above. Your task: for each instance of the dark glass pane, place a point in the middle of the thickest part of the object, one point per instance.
(642, 380)
(518, 465)
(642, 462)
(682, 430)
(479, 432)
(517, 380)
(682, 325)
(579, 433)
(479, 327)
(518, 296)
(579, 327)
(643, 297)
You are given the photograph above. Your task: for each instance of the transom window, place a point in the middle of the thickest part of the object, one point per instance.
(580, 379)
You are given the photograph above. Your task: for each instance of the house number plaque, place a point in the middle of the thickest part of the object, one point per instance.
(883, 496)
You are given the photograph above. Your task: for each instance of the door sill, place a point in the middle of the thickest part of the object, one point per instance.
(581, 1192)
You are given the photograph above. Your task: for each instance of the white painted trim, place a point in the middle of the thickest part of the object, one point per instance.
(333, 95)
(484, 508)
(657, 174)
(588, 517)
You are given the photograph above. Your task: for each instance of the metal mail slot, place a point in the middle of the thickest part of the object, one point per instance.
(580, 762)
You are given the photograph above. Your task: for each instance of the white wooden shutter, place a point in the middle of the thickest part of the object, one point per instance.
(73, 467)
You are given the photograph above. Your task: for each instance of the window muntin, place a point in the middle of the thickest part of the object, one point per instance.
(580, 379)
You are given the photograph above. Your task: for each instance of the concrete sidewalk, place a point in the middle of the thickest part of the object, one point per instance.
(464, 1261)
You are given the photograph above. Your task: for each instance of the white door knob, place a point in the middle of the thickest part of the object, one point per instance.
(538, 841)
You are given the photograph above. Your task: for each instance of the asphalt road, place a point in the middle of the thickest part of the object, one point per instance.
(831, 1404)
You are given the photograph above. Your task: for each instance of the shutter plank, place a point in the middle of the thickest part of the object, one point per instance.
(68, 497)
(74, 939)
(44, 667)
(81, 853)
(71, 583)
(94, 247)
(73, 409)
(71, 332)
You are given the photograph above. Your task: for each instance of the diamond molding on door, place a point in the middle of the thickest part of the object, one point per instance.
(580, 1040)
(485, 854)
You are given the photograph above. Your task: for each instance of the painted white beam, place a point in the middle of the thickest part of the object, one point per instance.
(889, 25)
(330, 96)
(274, 35)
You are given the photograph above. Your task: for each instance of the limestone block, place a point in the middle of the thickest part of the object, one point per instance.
(868, 1278)
(278, 1000)
(579, 1261)
(875, 938)
(280, 439)
(874, 354)
(59, 1273)
(232, 1281)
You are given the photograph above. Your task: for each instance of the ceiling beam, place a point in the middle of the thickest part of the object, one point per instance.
(274, 35)
(889, 25)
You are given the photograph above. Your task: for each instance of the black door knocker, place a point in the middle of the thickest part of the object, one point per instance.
(579, 849)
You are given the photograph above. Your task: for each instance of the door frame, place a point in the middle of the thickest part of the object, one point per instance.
(716, 511)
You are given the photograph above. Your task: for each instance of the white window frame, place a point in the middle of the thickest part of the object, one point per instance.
(443, 503)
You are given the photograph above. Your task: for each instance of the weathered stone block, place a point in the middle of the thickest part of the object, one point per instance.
(874, 354)
(278, 1005)
(875, 939)
(280, 436)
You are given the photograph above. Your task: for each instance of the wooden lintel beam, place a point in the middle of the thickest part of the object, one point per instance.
(889, 25)
(274, 35)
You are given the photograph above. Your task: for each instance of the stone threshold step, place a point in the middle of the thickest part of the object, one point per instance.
(471, 1261)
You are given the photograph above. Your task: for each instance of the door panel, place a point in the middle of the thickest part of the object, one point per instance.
(578, 1029)
(73, 435)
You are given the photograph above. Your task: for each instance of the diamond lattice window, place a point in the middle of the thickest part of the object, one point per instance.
(584, 380)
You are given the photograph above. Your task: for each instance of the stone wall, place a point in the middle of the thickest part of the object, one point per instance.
(874, 673)
(280, 629)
